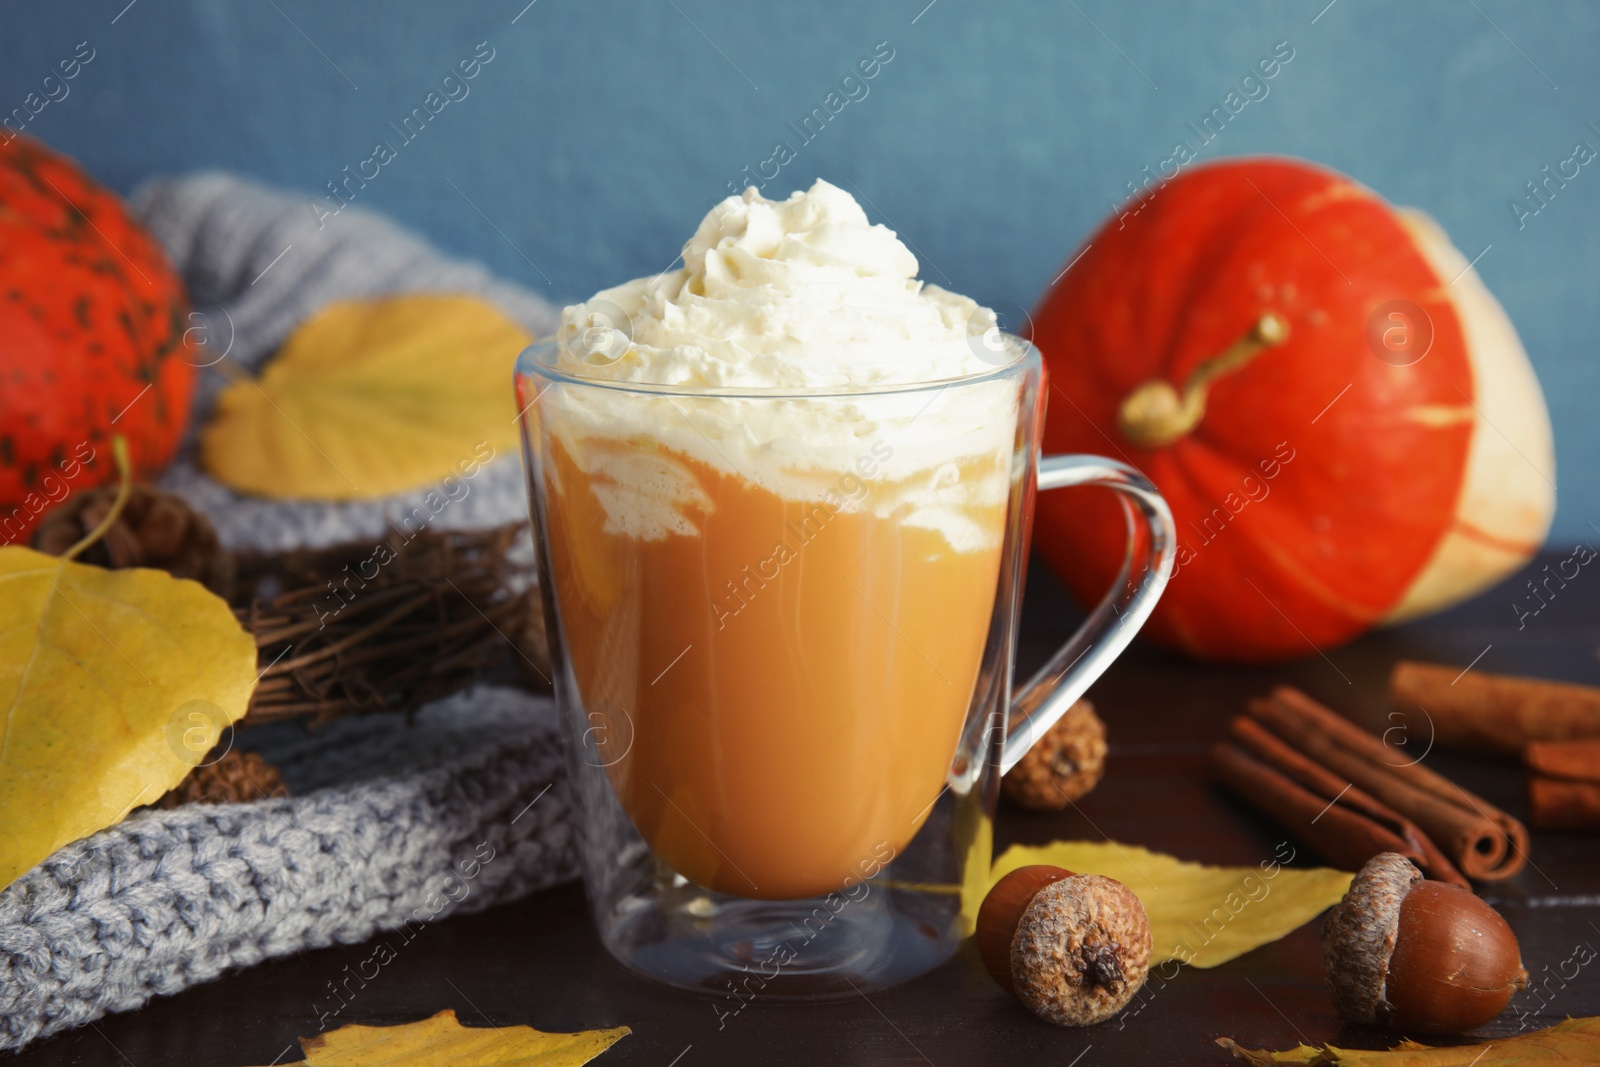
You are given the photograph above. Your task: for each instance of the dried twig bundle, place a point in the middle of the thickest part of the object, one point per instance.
(386, 627)
(358, 627)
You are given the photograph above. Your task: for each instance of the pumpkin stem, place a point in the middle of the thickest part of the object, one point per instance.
(119, 449)
(1156, 414)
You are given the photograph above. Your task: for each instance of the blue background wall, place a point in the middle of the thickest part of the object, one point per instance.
(995, 140)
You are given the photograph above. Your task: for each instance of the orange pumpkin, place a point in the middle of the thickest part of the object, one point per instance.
(92, 337)
(1340, 414)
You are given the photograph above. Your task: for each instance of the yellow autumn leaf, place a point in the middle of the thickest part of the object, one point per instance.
(113, 686)
(978, 829)
(442, 1039)
(369, 398)
(1199, 914)
(1573, 1041)
(980, 855)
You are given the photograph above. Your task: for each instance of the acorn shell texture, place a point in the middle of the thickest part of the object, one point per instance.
(1358, 936)
(1081, 951)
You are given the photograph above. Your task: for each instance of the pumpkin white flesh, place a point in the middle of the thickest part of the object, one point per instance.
(1508, 493)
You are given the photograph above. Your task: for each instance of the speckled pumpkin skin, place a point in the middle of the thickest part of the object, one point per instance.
(92, 321)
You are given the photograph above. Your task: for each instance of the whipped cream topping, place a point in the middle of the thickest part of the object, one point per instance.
(803, 293)
(791, 296)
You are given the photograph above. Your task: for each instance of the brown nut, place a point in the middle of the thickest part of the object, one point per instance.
(1421, 956)
(1074, 948)
(1063, 765)
(155, 529)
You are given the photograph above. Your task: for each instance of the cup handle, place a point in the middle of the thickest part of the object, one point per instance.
(1116, 619)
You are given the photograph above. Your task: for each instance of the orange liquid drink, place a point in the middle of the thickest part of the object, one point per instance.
(779, 682)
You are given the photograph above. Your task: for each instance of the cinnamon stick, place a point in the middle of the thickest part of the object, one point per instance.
(1337, 833)
(1374, 828)
(1564, 759)
(1482, 841)
(1564, 784)
(1495, 713)
(1560, 804)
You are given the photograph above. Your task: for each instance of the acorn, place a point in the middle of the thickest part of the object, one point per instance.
(1420, 956)
(1074, 948)
(1063, 765)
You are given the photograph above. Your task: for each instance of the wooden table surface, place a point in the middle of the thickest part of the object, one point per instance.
(538, 962)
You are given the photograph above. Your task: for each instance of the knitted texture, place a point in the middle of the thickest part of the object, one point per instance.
(171, 898)
(385, 819)
(257, 265)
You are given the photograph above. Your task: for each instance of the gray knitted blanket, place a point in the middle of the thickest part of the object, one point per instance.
(387, 823)
(257, 266)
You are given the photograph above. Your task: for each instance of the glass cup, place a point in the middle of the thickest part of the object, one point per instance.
(782, 626)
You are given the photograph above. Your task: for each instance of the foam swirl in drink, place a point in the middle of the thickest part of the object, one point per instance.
(776, 518)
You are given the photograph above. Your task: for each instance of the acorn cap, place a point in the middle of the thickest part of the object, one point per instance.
(1358, 936)
(1081, 951)
(1001, 914)
(1063, 765)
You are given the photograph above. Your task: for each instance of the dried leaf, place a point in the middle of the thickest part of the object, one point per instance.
(1571, 1042)
(113, 686)
(980, 857)
(1300, 1054)
(442, 1039)
(1200, 915)
(369, 398)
